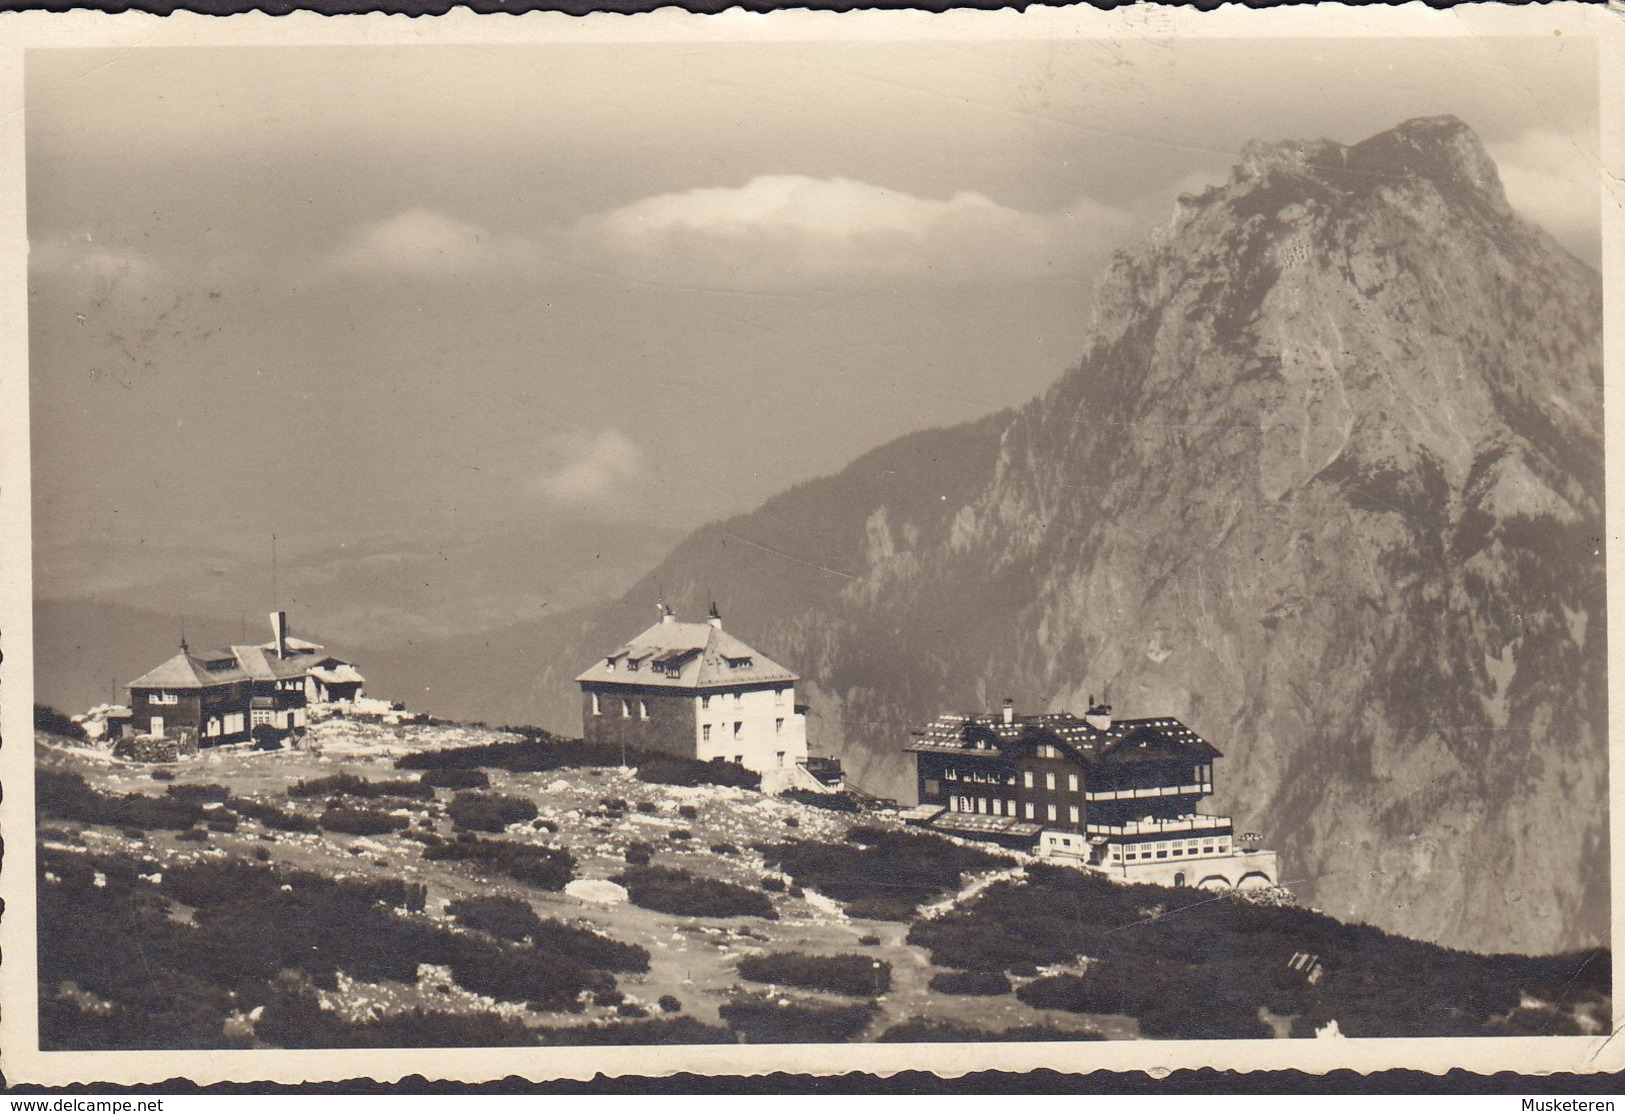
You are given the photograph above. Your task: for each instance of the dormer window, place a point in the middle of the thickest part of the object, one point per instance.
(609, 664)
(739, 663)
(631, 667)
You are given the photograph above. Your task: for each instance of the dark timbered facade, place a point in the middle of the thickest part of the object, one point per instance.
(1114, 794)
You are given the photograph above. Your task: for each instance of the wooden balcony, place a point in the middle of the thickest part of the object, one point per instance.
(1199, 789)
(1216, 824)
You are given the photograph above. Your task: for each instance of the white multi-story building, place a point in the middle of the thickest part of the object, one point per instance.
(695, 691)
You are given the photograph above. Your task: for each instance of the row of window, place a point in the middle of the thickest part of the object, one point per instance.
(739, 698)
(626, 707)
(1172, 849)
(994, 807)
(232, 724)
(980, 778)
(739, 726)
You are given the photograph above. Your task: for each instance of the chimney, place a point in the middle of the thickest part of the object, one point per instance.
(279, 632)
(715, 618)
(667, 615)
(1099, 716)
(1009, 711)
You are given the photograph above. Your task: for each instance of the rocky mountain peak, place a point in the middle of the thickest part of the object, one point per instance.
(1438, 149)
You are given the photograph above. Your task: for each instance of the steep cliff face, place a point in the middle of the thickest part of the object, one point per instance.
(1327, 485)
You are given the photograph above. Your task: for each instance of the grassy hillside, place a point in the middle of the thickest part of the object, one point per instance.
(441, 885)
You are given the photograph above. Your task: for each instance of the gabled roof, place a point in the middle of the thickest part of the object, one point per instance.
(673, 654)
(189, 670)
(184, 671)
(1126, 740)
(263, 665)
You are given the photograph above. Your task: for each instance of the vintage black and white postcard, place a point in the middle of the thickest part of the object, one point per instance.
(809, 542)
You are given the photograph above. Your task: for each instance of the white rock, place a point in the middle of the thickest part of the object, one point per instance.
(597, 891)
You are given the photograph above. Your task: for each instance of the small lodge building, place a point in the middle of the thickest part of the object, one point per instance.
(220, 696)
(1118, 796)
(693, 690)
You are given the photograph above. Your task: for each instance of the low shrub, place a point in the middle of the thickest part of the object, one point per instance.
(639, 854)
(667, 770)
(688, 812)
(546, 868)
(670, 1004)
(662, 1030)
(489, 812)
(456, 779)
(791, 822)
(855, 975)
(296, 1020)
(360, 821)
(540, 751)
(51, 721)
(199, 793)
(630, 1009)
(273, 817)
(162, 774)
(537, 752)
(869, 940)
(648, 808)
(67, 796)
(677, 892)
(348, 785)
(987, 983)
(504, 917)
(834, 802)
(679, 835)
(773, 885)
(920, 1030)
(880, 874)
(724, 849)
(251, 924)
(767, 1022)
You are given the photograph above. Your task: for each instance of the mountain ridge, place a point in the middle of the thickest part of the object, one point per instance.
(1326, 484)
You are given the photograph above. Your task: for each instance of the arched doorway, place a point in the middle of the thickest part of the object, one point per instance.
(1179, 878)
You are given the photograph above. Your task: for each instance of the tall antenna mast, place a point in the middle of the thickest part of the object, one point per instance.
(273, 573)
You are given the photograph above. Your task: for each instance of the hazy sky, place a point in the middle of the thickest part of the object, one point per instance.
(439, 289)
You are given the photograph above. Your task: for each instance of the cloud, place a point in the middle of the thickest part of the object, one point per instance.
(787, 231)
(1551, 178)
(585, 467)
(419, 242)
(81, 256)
